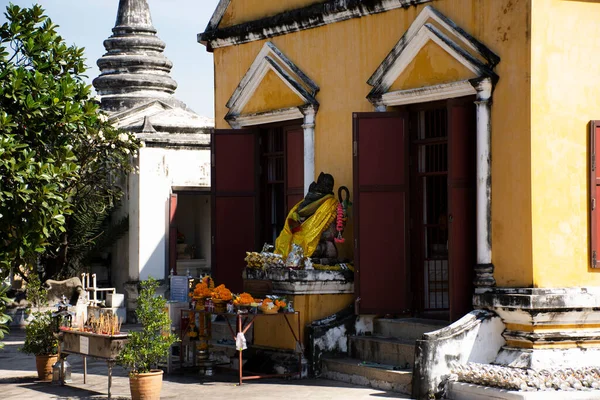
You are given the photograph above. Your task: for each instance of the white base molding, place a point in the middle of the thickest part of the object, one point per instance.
(540, 318)
(302, 282)
(469, 391)
(539, 359)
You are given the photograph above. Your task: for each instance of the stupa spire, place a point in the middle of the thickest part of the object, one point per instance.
(134, 15)
(134, 69)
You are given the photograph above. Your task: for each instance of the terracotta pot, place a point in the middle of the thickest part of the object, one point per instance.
(146, 386)
(44, 365)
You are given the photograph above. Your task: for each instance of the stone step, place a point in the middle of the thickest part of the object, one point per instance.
(406, 328)
(382, 350)
(358, 373)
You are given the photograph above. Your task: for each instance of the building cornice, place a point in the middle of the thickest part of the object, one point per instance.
(308, 17)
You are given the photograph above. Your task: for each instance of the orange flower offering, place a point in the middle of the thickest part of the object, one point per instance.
(280, 303)
(204, 288)
(221, 293)
(244, 299)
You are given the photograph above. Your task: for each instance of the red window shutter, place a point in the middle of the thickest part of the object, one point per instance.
(234, 188)
(380, 212)
(461, 205)
(594, 193)
(294, 189)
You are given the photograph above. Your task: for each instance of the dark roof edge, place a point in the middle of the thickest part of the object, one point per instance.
(308, 17)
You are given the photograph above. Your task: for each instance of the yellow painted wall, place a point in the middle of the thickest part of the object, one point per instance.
(565, 82)
(240, 11)
(274, 332)
(341, 57)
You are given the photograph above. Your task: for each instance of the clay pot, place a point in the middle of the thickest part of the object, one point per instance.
(146, 386)
(44, 365)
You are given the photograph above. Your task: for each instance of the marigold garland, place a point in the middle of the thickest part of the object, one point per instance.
(221, 293)
(204, 288)
(244, 299)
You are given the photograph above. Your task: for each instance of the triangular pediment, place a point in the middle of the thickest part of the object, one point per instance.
(271, 90)
(135, 115)
(272, 83)
(433, 52)
(431, 66)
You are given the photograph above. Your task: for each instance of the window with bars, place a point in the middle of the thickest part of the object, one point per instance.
(272, 145)
(431, 144)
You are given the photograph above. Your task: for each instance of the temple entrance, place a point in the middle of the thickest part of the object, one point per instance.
(415, 224)
(429, 209)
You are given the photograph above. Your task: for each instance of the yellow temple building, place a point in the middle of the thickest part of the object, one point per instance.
(465, 131)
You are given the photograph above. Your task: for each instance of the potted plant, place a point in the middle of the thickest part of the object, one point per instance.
(146, 348)
(41, 342)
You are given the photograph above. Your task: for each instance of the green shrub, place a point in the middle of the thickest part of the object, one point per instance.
(146, 348)
(39, 336)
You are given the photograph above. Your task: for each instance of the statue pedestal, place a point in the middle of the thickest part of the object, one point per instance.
(316, 294)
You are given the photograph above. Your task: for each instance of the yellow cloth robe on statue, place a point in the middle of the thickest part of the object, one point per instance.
(308, 233)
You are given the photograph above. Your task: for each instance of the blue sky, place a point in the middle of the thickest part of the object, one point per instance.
(87, 23)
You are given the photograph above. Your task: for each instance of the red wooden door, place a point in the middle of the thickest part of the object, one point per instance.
(172, 251)
(294, 188)
(234, 187)
(381, 210)
(461, 205)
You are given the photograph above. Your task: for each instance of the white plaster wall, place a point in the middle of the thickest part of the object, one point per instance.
(133, 205)
(467, 340)
(154, 192)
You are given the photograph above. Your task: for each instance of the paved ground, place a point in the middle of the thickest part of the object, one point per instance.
(18, 380)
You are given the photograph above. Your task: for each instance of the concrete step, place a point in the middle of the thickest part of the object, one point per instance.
(382, 350)
(406, 328)
(356, 372)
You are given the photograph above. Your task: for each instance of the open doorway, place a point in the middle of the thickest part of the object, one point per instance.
(442, 210)
(190, 232)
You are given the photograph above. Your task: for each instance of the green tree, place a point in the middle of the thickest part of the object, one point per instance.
(60, 159)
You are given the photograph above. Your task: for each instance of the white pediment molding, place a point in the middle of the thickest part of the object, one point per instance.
(270, 58)
(429, 93)
(422, 31)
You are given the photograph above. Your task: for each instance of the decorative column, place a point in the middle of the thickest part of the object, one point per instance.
(484, 269)
(309, 145)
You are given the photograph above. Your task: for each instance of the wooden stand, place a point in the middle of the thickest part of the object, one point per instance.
(88, 344)
(243, 323)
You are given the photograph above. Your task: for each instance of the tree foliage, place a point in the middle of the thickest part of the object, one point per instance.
(4, 318)
(59, 156)
(146, 348)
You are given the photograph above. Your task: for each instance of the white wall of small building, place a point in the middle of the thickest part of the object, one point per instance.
(159, 170)
(147, 202)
